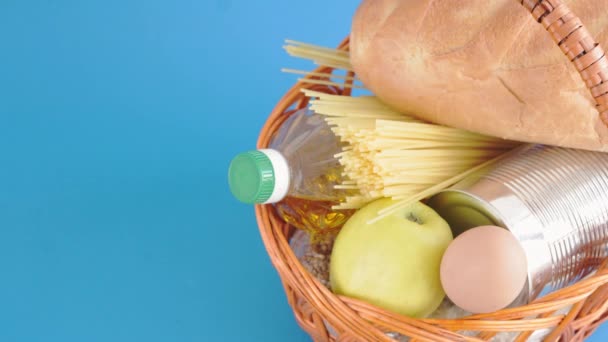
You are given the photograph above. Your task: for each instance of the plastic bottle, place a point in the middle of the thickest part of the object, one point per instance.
(297, 173)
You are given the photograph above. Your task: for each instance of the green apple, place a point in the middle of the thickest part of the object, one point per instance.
(394, 262)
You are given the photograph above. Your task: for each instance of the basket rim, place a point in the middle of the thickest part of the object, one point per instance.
(315, 306)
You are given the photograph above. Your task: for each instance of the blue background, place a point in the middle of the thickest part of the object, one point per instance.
(117, 123)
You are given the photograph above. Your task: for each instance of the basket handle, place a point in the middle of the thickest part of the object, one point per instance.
(575, 41)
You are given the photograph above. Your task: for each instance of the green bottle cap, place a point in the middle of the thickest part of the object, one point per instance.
(258, 176)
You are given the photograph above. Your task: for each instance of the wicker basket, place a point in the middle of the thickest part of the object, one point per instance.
(571, 314)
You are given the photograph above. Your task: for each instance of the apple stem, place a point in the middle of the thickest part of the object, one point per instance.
(413, 218)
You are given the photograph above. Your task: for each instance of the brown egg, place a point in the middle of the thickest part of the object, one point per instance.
(484, 269)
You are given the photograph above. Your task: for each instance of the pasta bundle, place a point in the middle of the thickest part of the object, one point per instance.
(388, 153)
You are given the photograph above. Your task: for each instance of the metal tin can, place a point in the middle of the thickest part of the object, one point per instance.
(554, 200)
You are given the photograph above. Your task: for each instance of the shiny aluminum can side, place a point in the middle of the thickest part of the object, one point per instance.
(554, 200)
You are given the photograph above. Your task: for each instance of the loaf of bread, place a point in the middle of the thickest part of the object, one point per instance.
(484, 66)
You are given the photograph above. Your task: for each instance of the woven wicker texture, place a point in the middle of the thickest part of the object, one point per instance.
(328, 317)
(575, 41)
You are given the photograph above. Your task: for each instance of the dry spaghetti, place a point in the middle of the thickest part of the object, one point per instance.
(387, 153)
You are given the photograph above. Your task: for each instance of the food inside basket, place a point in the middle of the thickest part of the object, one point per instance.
(381, 195)
(298, 174)
(393, 262)
(490, 67)
(317, 260)
(465, 177)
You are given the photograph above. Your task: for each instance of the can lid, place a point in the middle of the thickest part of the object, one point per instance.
(463, 211)
(259, 176)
